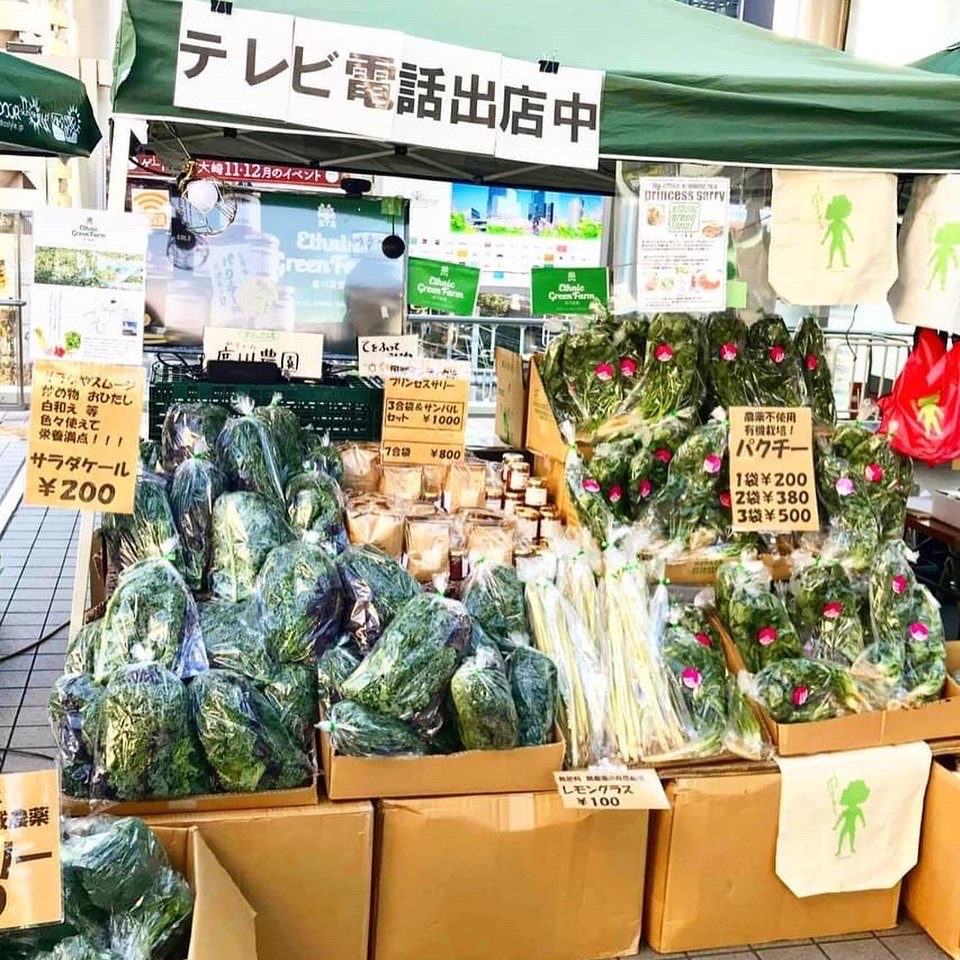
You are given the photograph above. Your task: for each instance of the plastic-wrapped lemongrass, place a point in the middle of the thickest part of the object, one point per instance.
(577, 583)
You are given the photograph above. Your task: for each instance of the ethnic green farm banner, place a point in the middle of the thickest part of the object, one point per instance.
(447, 287)
(556, 291)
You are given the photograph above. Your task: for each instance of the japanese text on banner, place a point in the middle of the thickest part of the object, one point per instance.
(772, 483)
(385, 85)
(84, 436)
(296, 354)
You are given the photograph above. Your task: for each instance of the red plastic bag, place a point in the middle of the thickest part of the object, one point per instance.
(922, 413)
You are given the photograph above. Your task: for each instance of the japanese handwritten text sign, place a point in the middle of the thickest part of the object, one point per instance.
(772, 485)
(425, 414)
(611, 790)
(84, 436)
(448, 287)
(385, 85)
(296, 354)
(376, 355)
(30, 884)
(555, 291)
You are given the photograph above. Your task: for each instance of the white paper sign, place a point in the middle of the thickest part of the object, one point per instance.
(606, 789)
(682, 244)
(377, 355)
(296, 354)
(383, 85)
(88, 294)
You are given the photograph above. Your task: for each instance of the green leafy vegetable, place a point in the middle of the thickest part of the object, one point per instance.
(149, 532)
(74, 711)
(591, 369)
(810, 346)
(334, 665)
(356, 731)
(701, 676)
(777, 368)
(314, 502)
(293, 692)
(234, 640)
(533, 682)
(247, 453)
(284, 429)
(486, 714)
(156, 920)
(799, 690)
(760, 627)
(493, 596)
(81, 653)
(196, 485)
(190, 429)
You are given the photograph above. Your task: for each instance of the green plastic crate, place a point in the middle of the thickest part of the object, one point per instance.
(348, 409)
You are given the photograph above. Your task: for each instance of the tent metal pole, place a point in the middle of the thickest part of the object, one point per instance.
(116, 201)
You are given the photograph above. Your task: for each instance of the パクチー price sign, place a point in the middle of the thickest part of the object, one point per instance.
(425, 415)
(84, 436)
(772, 484)
(30, 886)
(611, 790)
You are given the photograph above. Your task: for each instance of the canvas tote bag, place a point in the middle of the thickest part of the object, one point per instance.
(833, 236)
(927, 292)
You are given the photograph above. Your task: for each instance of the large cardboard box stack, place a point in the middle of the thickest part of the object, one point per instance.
(510, 877)
(712, 882)
(306, 871)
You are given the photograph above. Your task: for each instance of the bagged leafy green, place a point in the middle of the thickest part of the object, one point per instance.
(246, 527)
(630, 338)
(694, 620)
(730, 367)
(315, 503)
(415, 658)
(81, 653)
(649, 466)
(234, 640)
(555, 385)
(190, 429)
(334, 665)
(299, 599)
(810, 346)
(485, 711)
(148, 533)
(742, 735)
(760, 627)
(150, 456)
(586, 493)
(284, 428)
(813, 586)
(195, 487)
(375, 587)
(151, 616)
(479, 640)
(591, 369)
(243, 736)
(610, 467)
(493, 596)
(322, 455)
(924, 664)
(293, 692)
(776, 364)
(797, 690)
(248, 455)
(701, 676)
(80, 948)
(733, 574)
(74, 711)
(158, 919)
(356, 731)
(533, 682)
(893, 609)
(146, 746)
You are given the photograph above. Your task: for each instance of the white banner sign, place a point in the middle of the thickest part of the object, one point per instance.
(385, 85)
(378, 355)
(296, 354)
(88, 295)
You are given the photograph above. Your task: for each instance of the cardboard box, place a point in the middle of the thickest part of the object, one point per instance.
(455, 774)
(931, 891)
(223, 923)
(514, 877)
(543, 436)
(876, 728)
(510, 419)
(307, 871)
(711, 877)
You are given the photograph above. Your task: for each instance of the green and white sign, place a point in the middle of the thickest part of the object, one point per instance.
(447, 287)
(555, 290)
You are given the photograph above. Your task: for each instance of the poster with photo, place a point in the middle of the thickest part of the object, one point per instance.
(88, 293)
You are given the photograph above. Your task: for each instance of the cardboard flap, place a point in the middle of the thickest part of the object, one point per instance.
(511, 408)
(543, 434)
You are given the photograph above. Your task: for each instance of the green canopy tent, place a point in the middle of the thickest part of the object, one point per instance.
(44, 112)
(943, 61)
(681, 84)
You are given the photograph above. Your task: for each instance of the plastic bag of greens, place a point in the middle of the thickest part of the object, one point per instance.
(80, 656)
(893, 609)
(334, 665)
(243, 737)
(322, 455)
(776, 364)
(533, 683)
(195, 488)
(146, 745)
(818, 588)
(150, 456)
(485, 711)
(375, 588)
(248, 455)
(315, 503)
(649, 466)
(151, 617)
(586, 493)
(415, 658)
(743, 734)
(760, 627)
(148, 533)
(610, 467)
(356, 731)
(298, 596)
(735, 573)
(293, 692)
(811, 348)
(730, 367)
(924, 663)
(630, 338)
(80, 948)
(233, 638)
(693, 618)
(798, 690)
(555, 385)
(493, 596)
(591, 369)
(284, 428)
(159, 920)
(190, 429)
(74, 711)
(246, 527)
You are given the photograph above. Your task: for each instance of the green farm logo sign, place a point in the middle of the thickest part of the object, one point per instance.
(555, 290)
(446, 287)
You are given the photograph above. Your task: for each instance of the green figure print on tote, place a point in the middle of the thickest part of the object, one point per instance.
(854, 796)
(944, 254)
(837, 232)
